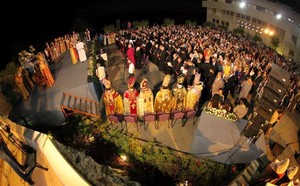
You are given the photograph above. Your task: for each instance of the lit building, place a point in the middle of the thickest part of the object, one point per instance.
(262, 17)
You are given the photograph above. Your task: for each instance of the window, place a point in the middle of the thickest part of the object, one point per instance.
(213, 20)
(222, 12)
(232, 13)
(248, 18)
(228, 1)
(291, 53)
(227, 24)
(254, 20)
(222, 23)
(259, 22)
(260, 8)
(243, 16)
(294, 39)
(214, 10)
(217, 21)
(227, 12)
(238, 15)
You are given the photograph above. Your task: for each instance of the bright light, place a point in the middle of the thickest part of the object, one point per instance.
(278, 16)
(123, 157)
(271, 33)
(267, 31)
(242, 5)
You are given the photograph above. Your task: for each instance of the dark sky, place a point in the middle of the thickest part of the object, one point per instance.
(35, 23)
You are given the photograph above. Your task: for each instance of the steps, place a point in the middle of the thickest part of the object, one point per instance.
(71, 104)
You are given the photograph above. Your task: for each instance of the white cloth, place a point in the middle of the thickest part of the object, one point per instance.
(81, 51)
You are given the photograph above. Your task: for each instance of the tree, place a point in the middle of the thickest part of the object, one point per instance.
(257, 38)
(190, 23)
(239, 30)
(275, 42)
(109, 28)
(168, 22)
(209, 24)
(140, 24)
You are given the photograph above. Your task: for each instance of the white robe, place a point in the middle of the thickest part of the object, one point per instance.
(81, 51)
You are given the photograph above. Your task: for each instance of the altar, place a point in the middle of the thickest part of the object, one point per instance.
(221, 140)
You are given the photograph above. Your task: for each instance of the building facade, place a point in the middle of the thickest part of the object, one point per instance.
(262, 17)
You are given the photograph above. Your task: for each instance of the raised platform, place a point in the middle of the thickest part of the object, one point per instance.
(222, 140)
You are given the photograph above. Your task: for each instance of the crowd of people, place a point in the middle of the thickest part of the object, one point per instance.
(201, 65)
(229, 65)
(34, 66)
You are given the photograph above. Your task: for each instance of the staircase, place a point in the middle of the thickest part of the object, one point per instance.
(71, 104)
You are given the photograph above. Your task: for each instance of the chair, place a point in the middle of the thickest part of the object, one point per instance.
(176, 115)
(131, 118)
(162, 117)
(115, 118)
(148, 118)
(190, 114)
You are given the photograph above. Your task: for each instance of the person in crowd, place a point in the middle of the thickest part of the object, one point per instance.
(287, 179)
(130, 97)
(101, 74)
(194, 93)
(230, 85)
(21, 86)
(217, 84)
(73, 54)
(87, 34)
(241, 109)
(131, 69)
(163, 99)
(273, 172)
(131, 54)
(145, 99)
(245, 87)
(44, 69)
(179, 94)
(80, 47)
(112, 99)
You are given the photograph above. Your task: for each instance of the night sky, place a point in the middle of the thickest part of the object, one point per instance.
(33, 23)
